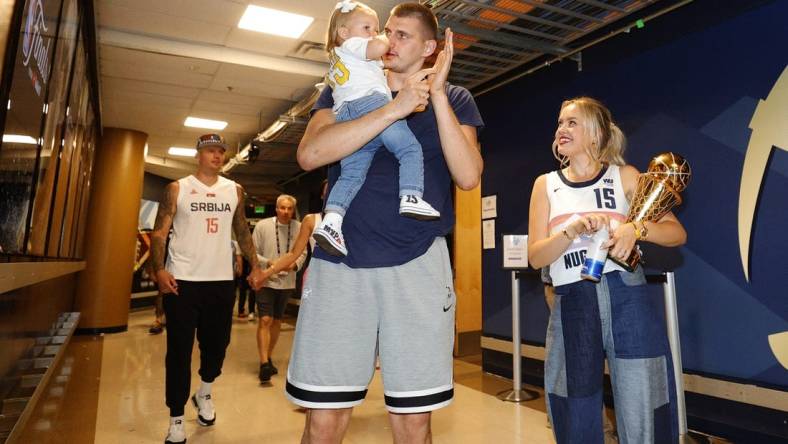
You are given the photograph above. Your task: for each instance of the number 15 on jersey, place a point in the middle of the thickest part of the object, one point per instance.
(213, 224)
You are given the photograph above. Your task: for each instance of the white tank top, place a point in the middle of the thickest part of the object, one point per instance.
(318, 220)
(570, 200)
(201, 244)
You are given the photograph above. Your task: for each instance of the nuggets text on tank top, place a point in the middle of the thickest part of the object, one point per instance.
(201, 244)
(570, 200)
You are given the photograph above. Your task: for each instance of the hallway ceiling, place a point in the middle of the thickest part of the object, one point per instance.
(163, 60)
(495, 37)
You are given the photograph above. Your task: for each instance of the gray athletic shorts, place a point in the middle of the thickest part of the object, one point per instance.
(272, 302)
(347, 315)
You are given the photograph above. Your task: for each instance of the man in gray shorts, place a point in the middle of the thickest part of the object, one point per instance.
(273, 238)
(393, 294)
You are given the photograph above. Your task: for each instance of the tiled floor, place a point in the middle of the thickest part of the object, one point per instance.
(131, 399)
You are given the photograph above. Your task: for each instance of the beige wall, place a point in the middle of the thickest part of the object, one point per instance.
(468, 271)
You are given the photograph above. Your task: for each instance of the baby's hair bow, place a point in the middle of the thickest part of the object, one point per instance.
(346, 6)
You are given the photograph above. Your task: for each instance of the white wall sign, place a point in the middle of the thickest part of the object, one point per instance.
(488, 234)
(489, 207)
(515, 251)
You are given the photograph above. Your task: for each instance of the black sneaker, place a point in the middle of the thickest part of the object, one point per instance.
(265, 373)
(274, 370)
(176, 433)
(205, 410)
(156, 329)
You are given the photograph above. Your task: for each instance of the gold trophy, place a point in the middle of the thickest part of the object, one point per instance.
(656, 194)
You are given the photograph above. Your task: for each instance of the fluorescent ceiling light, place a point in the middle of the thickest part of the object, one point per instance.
(16, 138)
(178, 151)
(272, 21)
(196, 122)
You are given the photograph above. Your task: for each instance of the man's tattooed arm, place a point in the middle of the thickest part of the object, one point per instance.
(241, 230)
(162, 227)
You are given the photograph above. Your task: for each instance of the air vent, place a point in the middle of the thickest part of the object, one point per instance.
(311, 51)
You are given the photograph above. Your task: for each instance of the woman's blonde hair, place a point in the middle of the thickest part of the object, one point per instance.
(339, 19)
(607, 141)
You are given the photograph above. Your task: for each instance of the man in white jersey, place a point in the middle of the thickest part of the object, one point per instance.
(203, 210)
(273, 238)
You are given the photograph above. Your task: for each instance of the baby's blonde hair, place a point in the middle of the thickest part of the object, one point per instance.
(339, 19)
(608, 142)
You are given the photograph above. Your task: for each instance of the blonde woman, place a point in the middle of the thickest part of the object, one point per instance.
(615, 319)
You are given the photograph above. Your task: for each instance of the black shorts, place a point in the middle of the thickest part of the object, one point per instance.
(272, 302)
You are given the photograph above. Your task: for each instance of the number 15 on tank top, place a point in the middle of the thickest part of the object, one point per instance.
(212, 224)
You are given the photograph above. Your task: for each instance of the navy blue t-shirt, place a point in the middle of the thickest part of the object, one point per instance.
(375, 233)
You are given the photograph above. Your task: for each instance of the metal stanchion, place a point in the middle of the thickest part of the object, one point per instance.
(517, 393)
(672, 320)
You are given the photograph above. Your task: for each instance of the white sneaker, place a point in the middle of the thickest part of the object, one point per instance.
(250, 318)
(206, 414)
(329, 236)
(176, 434)
(417, 208)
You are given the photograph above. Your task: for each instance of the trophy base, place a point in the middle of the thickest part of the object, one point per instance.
(632, 261)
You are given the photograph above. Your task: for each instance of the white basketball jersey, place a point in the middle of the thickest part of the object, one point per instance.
(570, 200)
(201, 244)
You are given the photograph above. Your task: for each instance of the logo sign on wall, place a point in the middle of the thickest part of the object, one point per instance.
(34, 48)
(768, 131)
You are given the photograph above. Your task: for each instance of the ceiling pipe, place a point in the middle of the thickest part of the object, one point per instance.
(624, 29)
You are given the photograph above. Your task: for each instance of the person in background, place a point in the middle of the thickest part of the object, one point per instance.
(159, 320)
(308, 226)
(246, 295)
(273, 238)
(241, 283)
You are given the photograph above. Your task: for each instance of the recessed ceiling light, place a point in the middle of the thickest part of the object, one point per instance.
(16, 138)
(179, 151)
(272, 21)
(196, 122)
